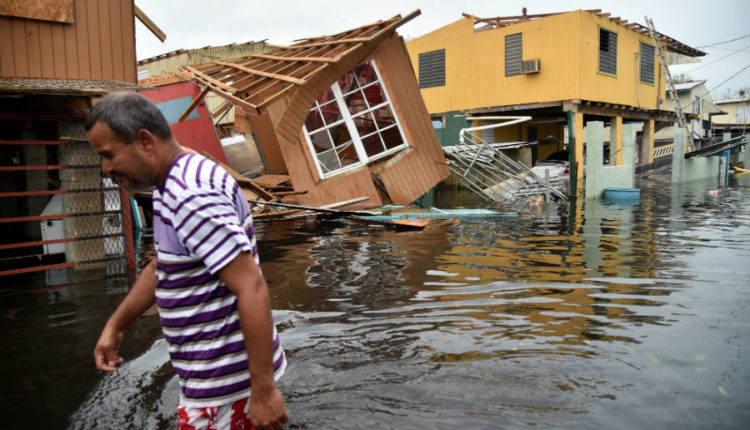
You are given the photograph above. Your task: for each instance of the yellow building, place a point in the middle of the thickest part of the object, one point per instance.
(735, 118)
(561, 69)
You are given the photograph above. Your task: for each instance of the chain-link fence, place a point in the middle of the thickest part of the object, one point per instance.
(94, 205)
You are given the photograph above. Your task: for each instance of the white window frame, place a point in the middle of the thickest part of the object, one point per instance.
(348, 120)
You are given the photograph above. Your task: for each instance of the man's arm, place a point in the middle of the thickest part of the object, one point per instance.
(139, 299)
(243, 277)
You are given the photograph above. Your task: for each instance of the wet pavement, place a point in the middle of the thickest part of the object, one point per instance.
(591, 316)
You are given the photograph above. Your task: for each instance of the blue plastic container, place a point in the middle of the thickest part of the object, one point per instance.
(623, 196)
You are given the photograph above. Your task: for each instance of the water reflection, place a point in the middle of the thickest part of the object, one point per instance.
(596, 315)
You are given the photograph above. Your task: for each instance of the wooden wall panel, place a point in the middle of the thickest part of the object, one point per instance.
(44, 10)
(99, 44)
(410, 176)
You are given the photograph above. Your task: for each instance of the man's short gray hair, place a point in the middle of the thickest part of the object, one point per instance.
(125, 113)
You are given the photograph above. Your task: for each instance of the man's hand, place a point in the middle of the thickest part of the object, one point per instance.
(105, 352)
(267, 409)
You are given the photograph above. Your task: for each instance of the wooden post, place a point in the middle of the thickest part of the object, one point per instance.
(646, 152)
(578, 150)
(615, 141)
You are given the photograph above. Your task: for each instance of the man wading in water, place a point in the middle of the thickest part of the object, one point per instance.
(213, 301)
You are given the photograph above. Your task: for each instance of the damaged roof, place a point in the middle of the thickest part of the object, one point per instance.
(502, 21)
(257, 80)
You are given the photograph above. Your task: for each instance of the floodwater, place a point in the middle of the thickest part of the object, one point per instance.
(595, 316)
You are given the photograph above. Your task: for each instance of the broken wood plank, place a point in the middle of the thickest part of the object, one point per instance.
(271, 180)
(307, 59)
(194, 103)
(142, 17)
(241, 180)
(324, 209)
(262, 73)
(288, 193)
(209, 79)
(278, 214)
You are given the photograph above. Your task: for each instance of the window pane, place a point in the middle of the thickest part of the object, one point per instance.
(365, 124)
(331, 112)
(328, 161)
(373, 145)
(348, 82)
(340, 134)
(384, 117)
(313, 121)
(392, 137)
(321, 141)
(365, 74)
(374, 95)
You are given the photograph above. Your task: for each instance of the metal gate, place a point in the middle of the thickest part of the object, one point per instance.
(57, 209)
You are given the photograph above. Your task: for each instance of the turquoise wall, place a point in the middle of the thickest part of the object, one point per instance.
(599, 177)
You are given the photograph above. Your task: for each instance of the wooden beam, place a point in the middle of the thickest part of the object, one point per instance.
(262, 73)
(306, 59)
(207, 79)
(220, 111)
(149, 24)
(195, 102)
(333, 42)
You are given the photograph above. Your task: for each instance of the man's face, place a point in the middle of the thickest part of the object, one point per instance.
(123, 161)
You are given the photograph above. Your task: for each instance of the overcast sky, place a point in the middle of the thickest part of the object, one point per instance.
(197, 23)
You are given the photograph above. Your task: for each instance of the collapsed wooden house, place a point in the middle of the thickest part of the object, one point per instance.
(342, 115)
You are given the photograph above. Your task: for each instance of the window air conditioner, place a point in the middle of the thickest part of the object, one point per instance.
(531, 66)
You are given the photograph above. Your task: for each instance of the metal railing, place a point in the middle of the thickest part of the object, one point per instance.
(489, 173)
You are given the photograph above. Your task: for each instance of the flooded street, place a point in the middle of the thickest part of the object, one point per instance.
(597, 316)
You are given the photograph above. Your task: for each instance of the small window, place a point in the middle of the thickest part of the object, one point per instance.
(513, 54)
(697, 105)
(742, 113)
(438, 122)
(647, 63)
(607, 52)
(432, 69)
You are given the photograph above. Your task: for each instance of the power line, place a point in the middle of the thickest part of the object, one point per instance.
(719, 59)
(721, 43)
(728, 79)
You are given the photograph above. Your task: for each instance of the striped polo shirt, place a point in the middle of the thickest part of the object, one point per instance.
(202, 222)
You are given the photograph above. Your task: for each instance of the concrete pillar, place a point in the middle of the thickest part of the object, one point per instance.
(594, 155)
(646, 151)
(578, 151)
(627, 155)
(678, 154)
(615, 141)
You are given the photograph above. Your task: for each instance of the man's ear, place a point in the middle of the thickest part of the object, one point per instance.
(145, 141)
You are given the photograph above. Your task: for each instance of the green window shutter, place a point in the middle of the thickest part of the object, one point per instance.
(513, 54)
(432, 69)
(607, 51)
(647, 63)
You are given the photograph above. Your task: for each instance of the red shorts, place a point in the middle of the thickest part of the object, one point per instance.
(225, 417)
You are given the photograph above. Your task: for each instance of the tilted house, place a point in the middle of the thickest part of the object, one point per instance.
(341, 115)
(562, 69)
